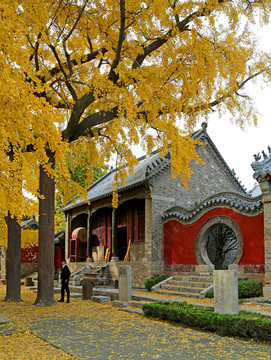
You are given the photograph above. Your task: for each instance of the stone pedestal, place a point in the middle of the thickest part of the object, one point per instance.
(125, 282)
(226, 291)
(115, 259)
(203, 268)
(89, 281)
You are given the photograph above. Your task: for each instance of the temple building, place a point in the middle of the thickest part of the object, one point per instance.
(163, 227)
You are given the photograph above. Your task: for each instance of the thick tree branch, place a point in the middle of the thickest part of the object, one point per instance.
(92, 120)
(70, 88)
(112, 75)
(78, 110)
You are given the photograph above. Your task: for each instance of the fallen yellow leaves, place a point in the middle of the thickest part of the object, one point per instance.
(90, 330)
(28, 346)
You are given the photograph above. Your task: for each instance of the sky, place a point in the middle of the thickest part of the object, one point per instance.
(237, 146)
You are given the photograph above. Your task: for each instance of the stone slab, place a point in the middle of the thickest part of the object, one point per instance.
(101, 299)
(226, 291)
(125, 282)
(121, 304)
(4, 319)
(265, 301)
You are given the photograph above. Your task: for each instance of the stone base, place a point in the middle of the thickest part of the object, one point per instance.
(114, 259)
(203, 268)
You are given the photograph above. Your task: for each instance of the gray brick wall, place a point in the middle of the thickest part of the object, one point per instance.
(207, 180)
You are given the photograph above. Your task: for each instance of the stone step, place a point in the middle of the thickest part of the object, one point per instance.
(32, 287)
(188, 283)
(75, 289)
(134, 307)
(199, 278)
(178, 293)
(101, 299)
(75, 295)
(187, 289)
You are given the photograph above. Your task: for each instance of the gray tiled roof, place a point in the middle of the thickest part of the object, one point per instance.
(147, 167)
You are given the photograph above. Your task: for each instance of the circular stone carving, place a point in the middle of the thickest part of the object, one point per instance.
(202, 239)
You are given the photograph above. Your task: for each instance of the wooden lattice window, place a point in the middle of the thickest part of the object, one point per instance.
(141, 221)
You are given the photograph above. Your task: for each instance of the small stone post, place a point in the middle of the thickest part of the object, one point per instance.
(3, 263)
(226, 291)
(125, 283)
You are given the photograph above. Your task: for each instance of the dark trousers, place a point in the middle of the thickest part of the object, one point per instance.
(65, 286)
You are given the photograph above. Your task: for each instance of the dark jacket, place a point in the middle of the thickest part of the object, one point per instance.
(65, 273)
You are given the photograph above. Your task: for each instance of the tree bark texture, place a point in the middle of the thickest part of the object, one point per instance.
(45, 296)
(13, 261)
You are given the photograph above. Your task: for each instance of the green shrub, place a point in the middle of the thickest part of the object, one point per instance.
(249, 288)
(245, 324)
(155, 279)
(246, 289)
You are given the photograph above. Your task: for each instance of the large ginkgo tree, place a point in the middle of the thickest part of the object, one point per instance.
(102, 75)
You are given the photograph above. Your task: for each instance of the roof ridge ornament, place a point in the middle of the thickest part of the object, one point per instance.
(204, 125)
(262, 167)
(257, 157)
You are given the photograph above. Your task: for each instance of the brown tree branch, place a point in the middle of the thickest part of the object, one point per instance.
(84, 59)
(69, 86)
(76, 22)
(78, 110)
(112, 76)
(181, 25)
(92, 120)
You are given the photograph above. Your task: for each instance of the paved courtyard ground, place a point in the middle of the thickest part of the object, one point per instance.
(88, 330)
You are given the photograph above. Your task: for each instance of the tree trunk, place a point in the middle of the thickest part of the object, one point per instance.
(45, 295)
(13, 261)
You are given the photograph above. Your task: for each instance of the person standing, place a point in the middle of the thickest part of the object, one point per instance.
(65, 278)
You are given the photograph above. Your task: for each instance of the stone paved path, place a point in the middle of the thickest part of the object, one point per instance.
(122, 336)
(89, 330)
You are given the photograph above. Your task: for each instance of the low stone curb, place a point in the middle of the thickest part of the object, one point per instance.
(4, 319)
(133, 311)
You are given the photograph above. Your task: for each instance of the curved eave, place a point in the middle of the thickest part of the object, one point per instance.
(245, 207)
(105, 196)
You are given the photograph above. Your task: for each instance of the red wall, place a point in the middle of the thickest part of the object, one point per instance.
(179, 239)
(30, 254)
(59, 255)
